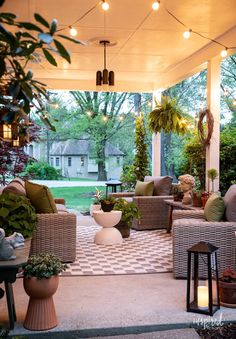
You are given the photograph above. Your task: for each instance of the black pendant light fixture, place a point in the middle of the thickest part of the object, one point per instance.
(105, 77)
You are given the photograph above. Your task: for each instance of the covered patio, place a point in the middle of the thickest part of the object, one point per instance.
(147, 53)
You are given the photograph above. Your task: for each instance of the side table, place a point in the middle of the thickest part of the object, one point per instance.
(178, 205)
(113, 184)
(8, 272)
(108, 235)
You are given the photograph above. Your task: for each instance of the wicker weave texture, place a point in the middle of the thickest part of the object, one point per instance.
(188, 232)
(55, 233)
(187, 214)
(154, 212)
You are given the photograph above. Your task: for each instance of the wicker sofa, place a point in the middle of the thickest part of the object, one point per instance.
(190, 227)
(55, 232)
(154, 211)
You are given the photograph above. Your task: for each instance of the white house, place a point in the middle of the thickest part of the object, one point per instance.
(75, 158)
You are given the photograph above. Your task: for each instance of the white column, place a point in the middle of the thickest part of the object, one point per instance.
(213, 104)
(156, 143)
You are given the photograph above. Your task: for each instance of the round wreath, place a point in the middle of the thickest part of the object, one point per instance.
(205, 136)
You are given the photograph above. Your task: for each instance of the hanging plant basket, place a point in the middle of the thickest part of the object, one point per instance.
(168, 117)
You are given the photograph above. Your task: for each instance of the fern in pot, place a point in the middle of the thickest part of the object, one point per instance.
(129, 211)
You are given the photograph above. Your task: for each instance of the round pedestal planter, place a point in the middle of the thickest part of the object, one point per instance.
(123, 229)
(227, 294)
(41, 314)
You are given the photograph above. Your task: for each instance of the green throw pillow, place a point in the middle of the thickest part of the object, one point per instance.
(40, 197)
(144, 188)
(214, 208)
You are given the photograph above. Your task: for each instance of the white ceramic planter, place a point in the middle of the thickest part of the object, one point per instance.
(108, 235)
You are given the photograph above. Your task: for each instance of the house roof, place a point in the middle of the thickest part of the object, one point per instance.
(80, 147)
(148, 50)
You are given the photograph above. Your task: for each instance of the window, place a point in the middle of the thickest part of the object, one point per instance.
(51, 161)
(82, 161)
(118, 160)
(69, 161)
(57, 161)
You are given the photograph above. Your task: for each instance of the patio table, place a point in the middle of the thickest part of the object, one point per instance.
(8, 272)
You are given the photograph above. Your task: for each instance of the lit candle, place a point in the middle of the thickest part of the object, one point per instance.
(202, 296)
(7, 131)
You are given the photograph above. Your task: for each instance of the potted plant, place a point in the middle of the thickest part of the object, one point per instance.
(212, 174)
(107, 203)
(167, 116)
(40, 282)
(96, 205)
(227, 287)
(17, 215)
(129, 211)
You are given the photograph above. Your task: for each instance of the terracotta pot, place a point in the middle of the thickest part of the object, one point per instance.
(197, 201)
(227, 294)
(41, 314)
(124, 229)
(204, 198)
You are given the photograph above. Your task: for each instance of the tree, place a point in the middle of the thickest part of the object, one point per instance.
(141, 166)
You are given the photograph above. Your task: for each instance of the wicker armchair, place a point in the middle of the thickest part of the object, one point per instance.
(55, 233)
(190, 227)
(154, 211)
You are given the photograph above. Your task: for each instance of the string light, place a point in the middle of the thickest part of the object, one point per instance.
(156, 5)
(187, 34)
(105, 5)
(89, 113)
(104, 118)
(121, 118)
(73, 31)
(224, 53)
(234, 102)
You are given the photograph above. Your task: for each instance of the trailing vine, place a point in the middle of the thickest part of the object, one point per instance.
(205, 134)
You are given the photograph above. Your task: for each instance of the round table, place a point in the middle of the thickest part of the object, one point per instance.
(108, 235)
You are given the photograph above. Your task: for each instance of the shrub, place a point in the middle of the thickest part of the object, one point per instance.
(42, 170)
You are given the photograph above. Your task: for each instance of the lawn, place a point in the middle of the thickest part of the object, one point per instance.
(78, 198)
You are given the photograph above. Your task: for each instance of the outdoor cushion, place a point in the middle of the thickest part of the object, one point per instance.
(230, 203)
(214, 208)
(40, 197)
(16, 186)
(144, 188)
(162, 185)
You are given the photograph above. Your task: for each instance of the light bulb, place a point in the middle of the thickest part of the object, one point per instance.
(234, 102)
(73, 31)
(155, 5)
(105, 6)
(186, 34)
(89, 113)
(105, 118)
(121, 118)
(224, 53)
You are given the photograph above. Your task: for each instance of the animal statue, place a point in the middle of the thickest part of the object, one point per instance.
(16, 240)
(6, 249)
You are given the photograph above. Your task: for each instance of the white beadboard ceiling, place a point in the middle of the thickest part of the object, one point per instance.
(146, 56)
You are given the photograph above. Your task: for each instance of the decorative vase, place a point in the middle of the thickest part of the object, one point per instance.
(41, 314)
(227, 294)
(123, 228)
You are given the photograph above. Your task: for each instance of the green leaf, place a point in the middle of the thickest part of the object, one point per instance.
(49, 57)
(76, 41)
(53, 27)
(4, 212)
(45, 37)
(40, 19)
(7, 15)
(30, 26)
(62, 51)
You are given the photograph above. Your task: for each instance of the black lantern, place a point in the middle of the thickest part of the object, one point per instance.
(202, 279)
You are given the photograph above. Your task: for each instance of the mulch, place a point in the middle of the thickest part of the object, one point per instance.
(226, 331)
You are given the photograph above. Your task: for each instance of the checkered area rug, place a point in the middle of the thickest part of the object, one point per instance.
(143, 252)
